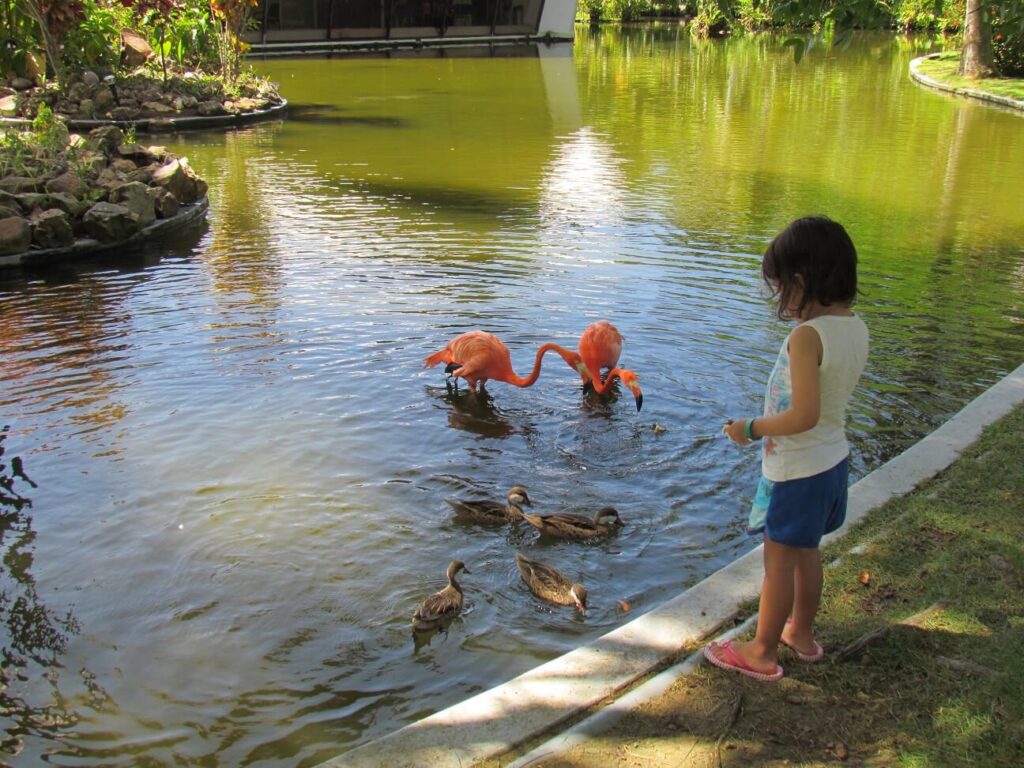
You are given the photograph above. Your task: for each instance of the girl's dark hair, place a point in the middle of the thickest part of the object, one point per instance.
(819, 251)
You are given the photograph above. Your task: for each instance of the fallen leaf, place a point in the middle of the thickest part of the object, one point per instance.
(842, 752)
(864, 578)
(623, 606)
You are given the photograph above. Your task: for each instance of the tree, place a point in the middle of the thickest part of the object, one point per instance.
(976, 58)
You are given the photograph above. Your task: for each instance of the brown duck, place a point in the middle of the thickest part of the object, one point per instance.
(570, 526)
(442, 605)
(493, 512)
(550, 584)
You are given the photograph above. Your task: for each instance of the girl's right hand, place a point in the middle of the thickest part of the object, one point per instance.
(734, 430)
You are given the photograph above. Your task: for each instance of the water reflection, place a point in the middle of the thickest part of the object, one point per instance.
(33, 639)
(472, 411)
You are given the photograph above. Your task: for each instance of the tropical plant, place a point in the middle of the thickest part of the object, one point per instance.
(95, 42)
(55, 18)
(234, 18)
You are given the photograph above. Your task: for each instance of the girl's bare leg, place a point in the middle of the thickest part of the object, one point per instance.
(808, 579)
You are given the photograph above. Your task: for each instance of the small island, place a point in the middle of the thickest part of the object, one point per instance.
(83, 81)
(65, 194)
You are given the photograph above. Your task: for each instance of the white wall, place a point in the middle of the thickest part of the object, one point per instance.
(557, 18)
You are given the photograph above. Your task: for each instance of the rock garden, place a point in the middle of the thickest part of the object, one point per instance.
(66, 193)
(79, 81)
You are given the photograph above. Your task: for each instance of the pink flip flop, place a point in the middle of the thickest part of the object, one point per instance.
(815, 655)
(731, 660)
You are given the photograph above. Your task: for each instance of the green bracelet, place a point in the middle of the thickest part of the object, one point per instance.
(748, 430)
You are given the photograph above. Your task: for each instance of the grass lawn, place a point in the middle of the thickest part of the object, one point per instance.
(944, 69)
(923, 622)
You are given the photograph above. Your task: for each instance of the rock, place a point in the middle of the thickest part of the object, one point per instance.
(9, 211)
(87, 107)
(180, 180)
(124, 114)
(31, 201)
(137, 153)
(106, 138)
(78, 91)
(110, 223)
(166, 203)
(21, 84)
(122, 166)
(9, 106)
(92, 163)
(69, 182)
(91, 79)
(103, 98)
(178, 104)
(52, 229)
(134, 49)
(210, 108)
(18, 185)
(144, 175)
(156, 106)
(189, 102)
(244, 105)
(15, 235)
(72, 206)
(111, 177)
(137, 198)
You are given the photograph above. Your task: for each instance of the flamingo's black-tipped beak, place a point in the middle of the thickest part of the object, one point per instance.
(452, 368)
(639, 401)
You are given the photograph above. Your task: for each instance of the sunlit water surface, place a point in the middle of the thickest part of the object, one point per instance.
(242, 466)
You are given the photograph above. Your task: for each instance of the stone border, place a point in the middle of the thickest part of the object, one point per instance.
(164, 124)
(973, 93)
(499, 720)
(85, 247)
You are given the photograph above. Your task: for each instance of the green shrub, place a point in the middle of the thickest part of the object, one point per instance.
(1008, 46)
(96, 42)
(629, 10)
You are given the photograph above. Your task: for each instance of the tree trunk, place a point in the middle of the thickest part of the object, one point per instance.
(976, 60)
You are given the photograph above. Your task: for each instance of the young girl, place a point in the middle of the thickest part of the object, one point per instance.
(811, 266)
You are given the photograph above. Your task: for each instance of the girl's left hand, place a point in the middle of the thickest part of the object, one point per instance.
(734, 430)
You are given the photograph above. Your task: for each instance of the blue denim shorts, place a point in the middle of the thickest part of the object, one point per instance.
(798, 513)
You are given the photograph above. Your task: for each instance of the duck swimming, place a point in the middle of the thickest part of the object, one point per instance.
(493, 512)
(550, 584)
(442, 605)
(569, 526)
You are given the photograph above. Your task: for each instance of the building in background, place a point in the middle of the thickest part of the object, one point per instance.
(313, 25)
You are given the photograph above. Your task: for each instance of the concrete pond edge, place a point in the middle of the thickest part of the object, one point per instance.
(498, 721)
(972, 93)
(86, 248)
(165, 124)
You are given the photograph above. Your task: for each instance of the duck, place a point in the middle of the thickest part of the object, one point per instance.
(442, 605)
(569, 526)
(493, 512)
(550, 584)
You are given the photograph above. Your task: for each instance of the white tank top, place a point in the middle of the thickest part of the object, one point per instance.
(844, 344)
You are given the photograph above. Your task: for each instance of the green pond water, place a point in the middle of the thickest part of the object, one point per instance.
(241, 466)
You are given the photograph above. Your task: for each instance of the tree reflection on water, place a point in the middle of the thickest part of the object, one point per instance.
(32, 637)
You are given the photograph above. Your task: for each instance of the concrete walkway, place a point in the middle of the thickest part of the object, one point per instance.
(498, 721)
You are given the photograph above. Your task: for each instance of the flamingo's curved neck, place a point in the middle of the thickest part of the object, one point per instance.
(602, 386)
(527, 381)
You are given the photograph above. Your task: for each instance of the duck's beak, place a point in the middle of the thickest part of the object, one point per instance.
(466, 570)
